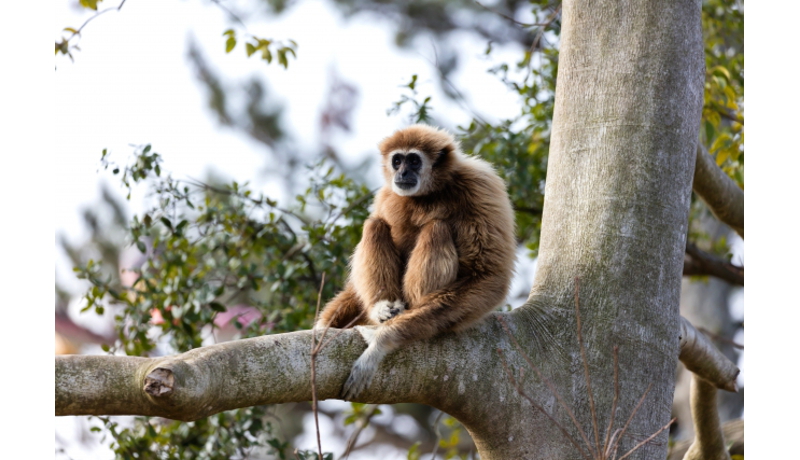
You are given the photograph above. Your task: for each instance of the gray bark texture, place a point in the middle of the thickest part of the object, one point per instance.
(628, 105)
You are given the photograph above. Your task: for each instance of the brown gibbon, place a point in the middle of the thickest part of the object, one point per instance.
(437, 253)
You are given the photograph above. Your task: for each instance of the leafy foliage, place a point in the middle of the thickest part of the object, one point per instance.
(723, 109)
(268, 48)
(208, 248)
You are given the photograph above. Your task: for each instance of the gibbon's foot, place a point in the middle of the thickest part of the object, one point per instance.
(365, 366)
(384, 310)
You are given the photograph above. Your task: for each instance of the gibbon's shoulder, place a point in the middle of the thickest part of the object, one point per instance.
(480, 177)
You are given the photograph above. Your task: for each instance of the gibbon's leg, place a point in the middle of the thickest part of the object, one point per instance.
(376, 272)
(342, 310)
(463, 301)
(433, 263)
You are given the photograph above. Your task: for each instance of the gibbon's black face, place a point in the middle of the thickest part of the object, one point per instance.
(407, 167)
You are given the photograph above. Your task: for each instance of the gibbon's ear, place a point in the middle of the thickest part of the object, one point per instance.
(440, 157)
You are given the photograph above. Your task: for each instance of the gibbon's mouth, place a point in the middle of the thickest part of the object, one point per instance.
(407, 185)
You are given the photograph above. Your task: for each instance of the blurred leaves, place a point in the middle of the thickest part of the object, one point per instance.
(212, 249)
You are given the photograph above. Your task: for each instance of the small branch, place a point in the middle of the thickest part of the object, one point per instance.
(722, 195)
(314, 351)
(719, 338)
(701, 357)
(652, 436)
(547, 382)
(438, 433)
(585, 363)
(542, 410)
(613, 447)
(698, 262)
(512, 20)
(233, 15)
(362, 423)
(78, 31)
(709, 442)
(608, 442)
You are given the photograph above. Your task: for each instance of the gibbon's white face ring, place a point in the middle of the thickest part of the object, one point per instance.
(424, 173)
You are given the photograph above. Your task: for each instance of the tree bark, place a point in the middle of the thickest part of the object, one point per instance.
(627, 113)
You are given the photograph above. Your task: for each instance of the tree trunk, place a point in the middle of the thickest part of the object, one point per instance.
(628, 106)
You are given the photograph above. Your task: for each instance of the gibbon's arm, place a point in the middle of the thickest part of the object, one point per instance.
(433, 263)
(377, 272)
(372, 294)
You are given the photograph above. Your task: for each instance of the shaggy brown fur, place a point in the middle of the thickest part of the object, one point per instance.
(446, 253)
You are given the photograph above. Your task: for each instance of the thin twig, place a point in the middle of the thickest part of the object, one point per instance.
(548, 383)
(720, 338)
(230, 13)
(541, 409)
(607, 441)
(544, 26)
(648, 439)
(314, 351)
(635, 409)
(362, 423)
(438, 435)
(78, 32)
(586, 364)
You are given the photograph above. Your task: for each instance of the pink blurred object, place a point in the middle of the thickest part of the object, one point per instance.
(244, 313)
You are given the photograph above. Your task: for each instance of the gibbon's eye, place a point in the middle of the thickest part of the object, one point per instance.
(413, 160)
(397, 160)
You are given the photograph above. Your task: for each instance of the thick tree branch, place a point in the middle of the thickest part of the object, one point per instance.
(204, 381)
(698, 262)
(277, 369)
(722, 195)
(702, 358)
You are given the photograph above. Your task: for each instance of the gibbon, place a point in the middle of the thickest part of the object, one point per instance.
(437, 253)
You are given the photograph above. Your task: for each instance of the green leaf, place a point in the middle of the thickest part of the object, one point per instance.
(229, 32)
(722, 71)
(141, 246)
(70, 29)
(250, 49)
(91, 4)
(282, 58)
(230, 44)
(216, 306)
